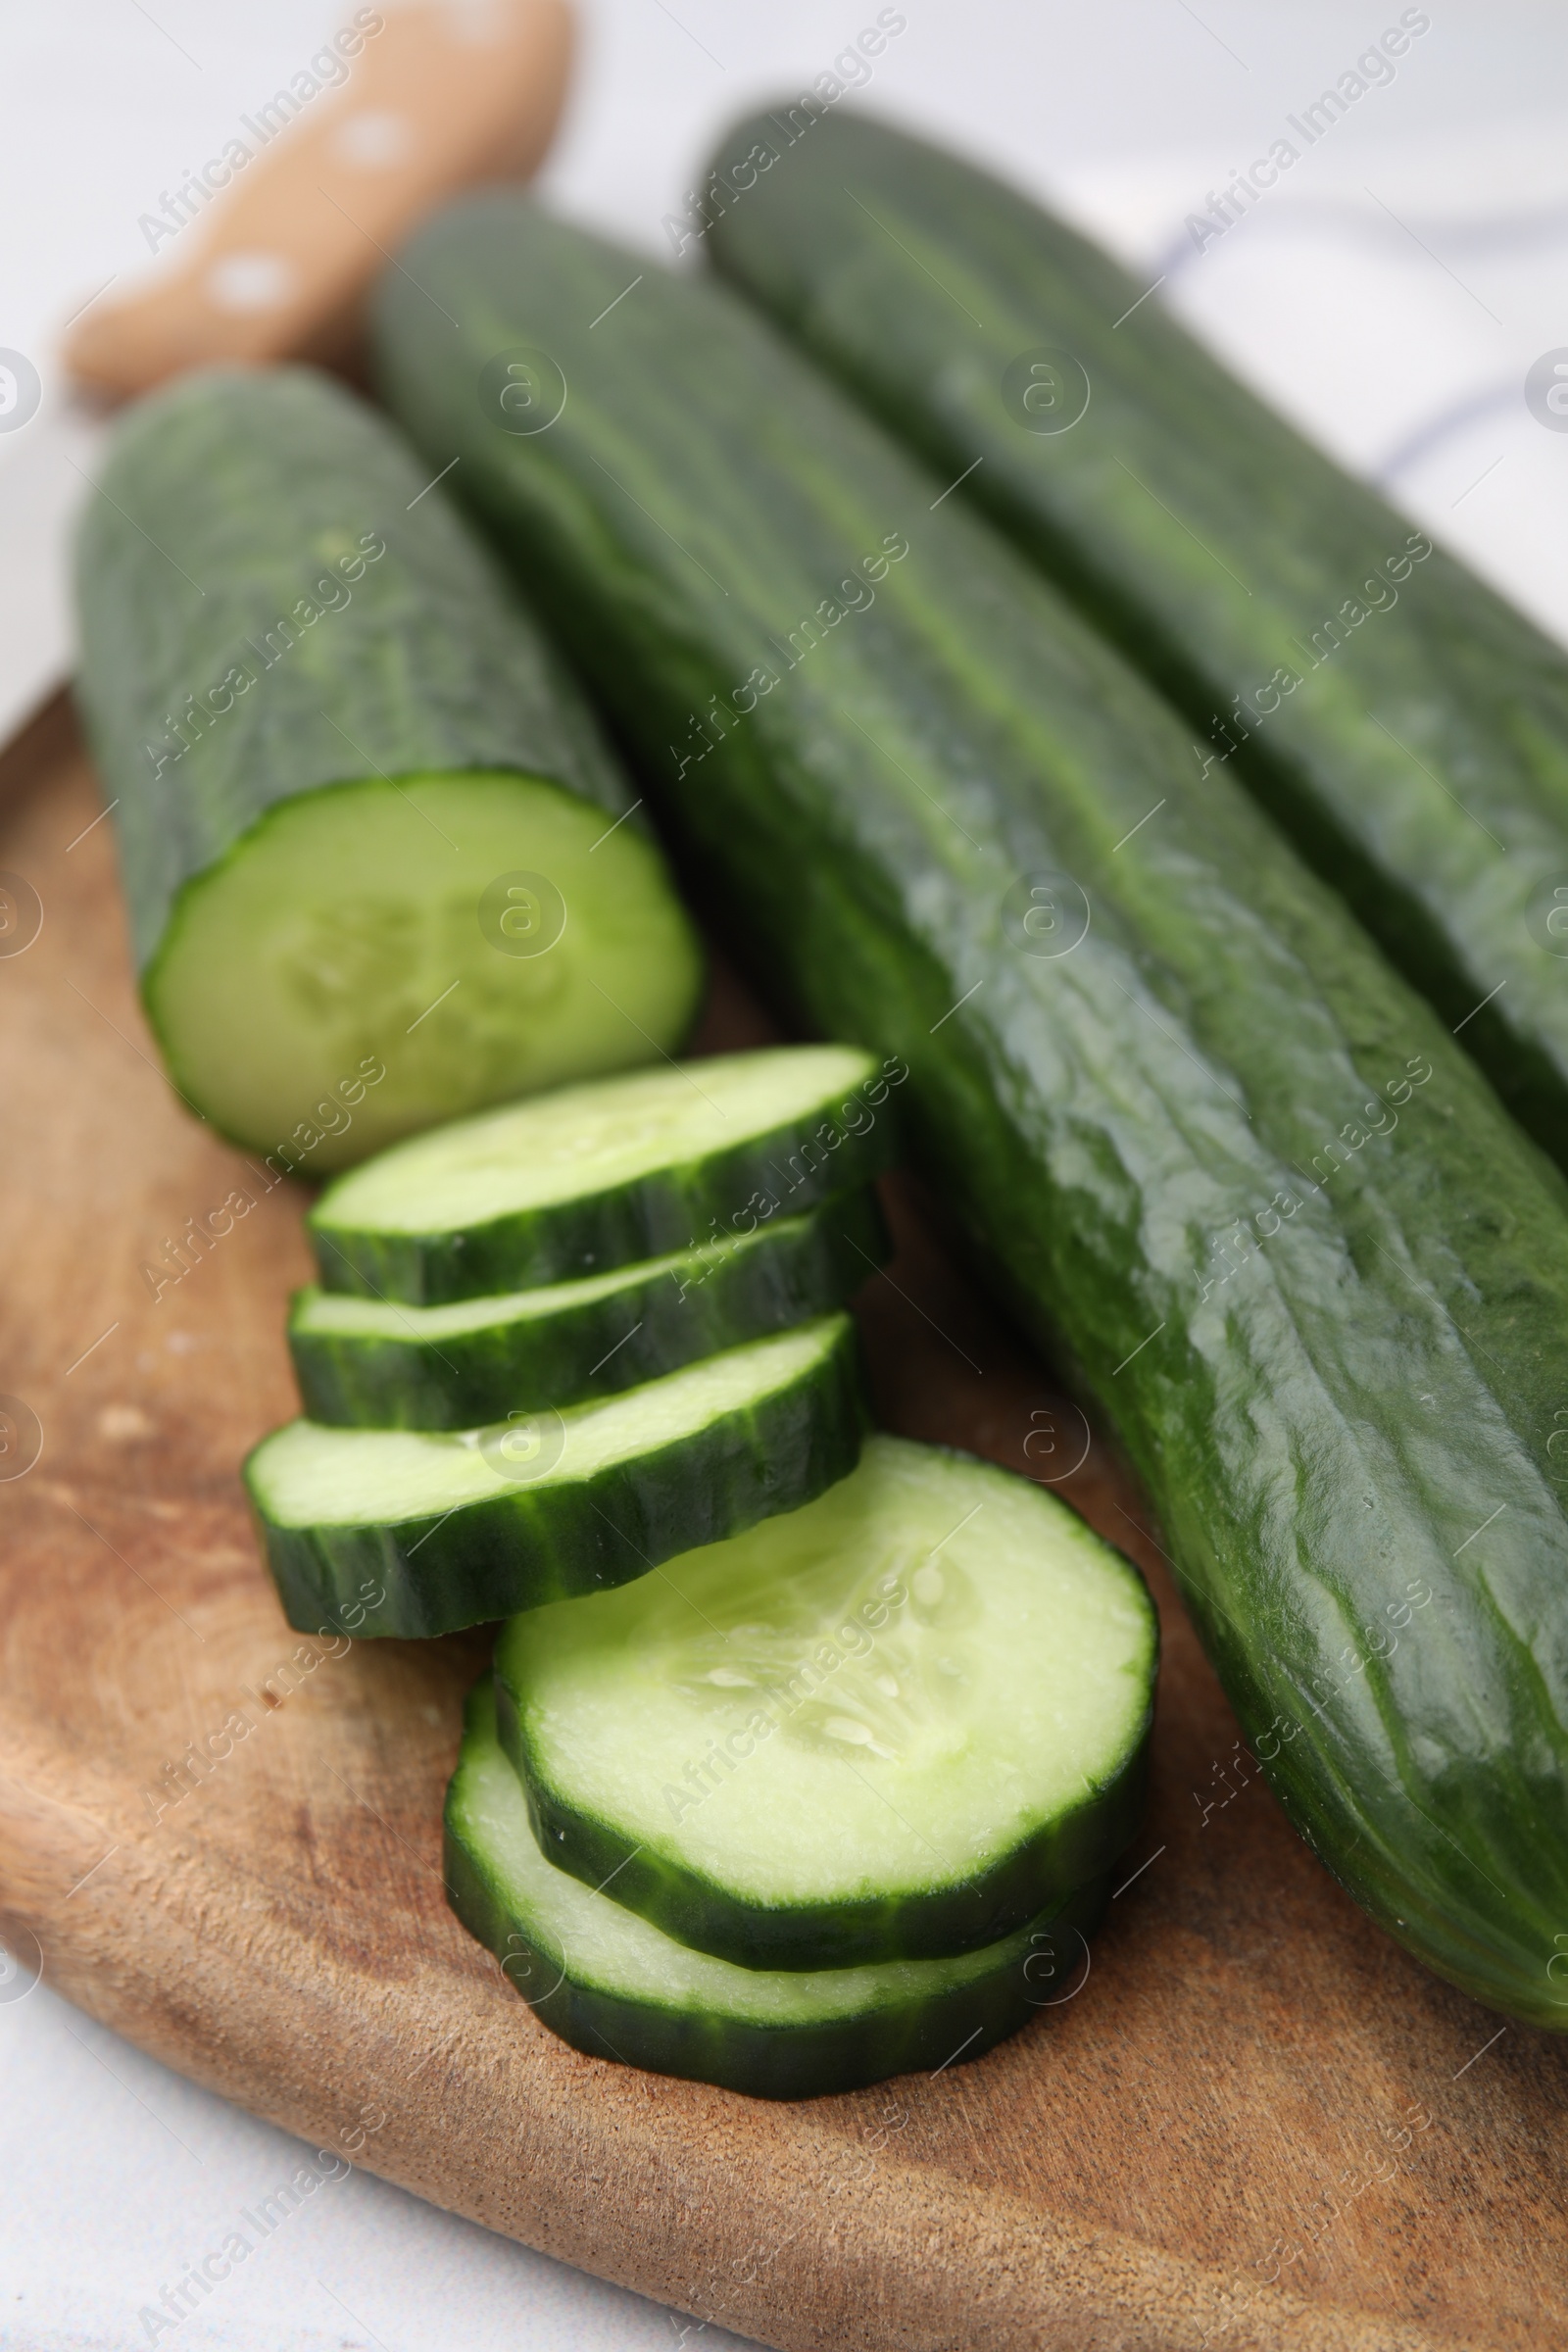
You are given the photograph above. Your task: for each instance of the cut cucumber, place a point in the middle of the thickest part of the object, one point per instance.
(403, 1533)
(382, 865)
(892, 1725)
(336, 975)
(595, 1177)
(370, 1364)
(615, 1987)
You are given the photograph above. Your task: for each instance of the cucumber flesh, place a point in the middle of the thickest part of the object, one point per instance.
(894, 1724)
(370, 1364)
(404, 1532)
(614, 1987)
(346, 974)
(603, 1175)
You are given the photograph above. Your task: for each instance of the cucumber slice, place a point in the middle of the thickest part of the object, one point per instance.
(604, 1175)
(401, 1532)
(615, 1987)
(370, 1364)
(892, 1725)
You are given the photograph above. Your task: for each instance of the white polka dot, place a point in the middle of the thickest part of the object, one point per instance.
(250, 282)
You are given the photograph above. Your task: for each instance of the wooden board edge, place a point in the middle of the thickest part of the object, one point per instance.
(623, 2183)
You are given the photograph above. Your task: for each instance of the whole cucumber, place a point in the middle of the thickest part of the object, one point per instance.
(1405, 724)
(1206, 1138)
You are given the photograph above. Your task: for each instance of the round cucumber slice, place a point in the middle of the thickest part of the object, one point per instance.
(405, 1531)
(614, 1987)
(892, 1725)
(370, 958)
(370, 1364)
(596, 1176)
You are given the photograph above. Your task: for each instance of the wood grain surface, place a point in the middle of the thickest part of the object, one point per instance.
(1255, 2124)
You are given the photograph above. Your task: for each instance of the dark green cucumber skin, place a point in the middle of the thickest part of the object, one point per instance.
(601, 1347)
(527, 1546)
(795, 1167)
(928, 1924)
(226, 499)
(1210, 540)
(1329, 1432)
(794, 2062)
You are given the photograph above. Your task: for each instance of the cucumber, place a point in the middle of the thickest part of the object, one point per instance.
(1418, 755)
(600, 1176)
(892, 1725)
(1218, 1154)
(615, 1987)
(447, 1530)
(369, 1363)
(381, 867)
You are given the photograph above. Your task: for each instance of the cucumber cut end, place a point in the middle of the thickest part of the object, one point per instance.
(588, 1139)
(375, 956)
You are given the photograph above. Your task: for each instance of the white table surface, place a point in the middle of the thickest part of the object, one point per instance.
(1390, 294)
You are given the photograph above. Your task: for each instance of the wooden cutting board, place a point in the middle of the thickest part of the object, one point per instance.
(1255, 2124)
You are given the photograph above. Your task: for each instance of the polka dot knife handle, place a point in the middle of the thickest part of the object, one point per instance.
(272, 242)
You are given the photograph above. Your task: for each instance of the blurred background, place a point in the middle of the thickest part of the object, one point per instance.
(1400, 293)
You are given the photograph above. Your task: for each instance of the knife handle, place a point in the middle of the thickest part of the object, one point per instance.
(440, 95)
